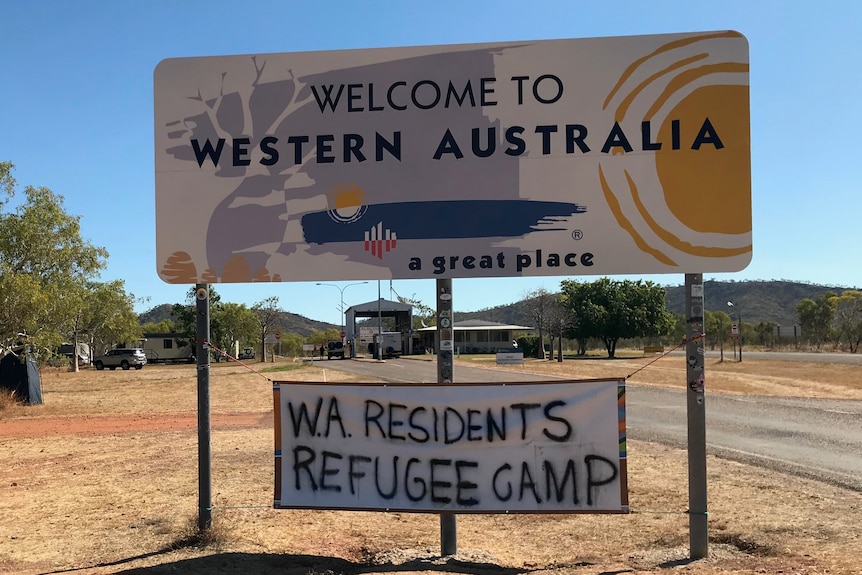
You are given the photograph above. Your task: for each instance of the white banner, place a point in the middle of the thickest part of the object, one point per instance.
(589, 156)
(488, 448)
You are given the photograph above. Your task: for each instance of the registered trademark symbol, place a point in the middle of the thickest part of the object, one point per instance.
(577, 234)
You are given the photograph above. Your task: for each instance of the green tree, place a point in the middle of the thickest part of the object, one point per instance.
(291, 344)
(716, 326)
(677, 335)
(268, 314)
(765, 331)
(237, 323)
(538, 304)
(44, 264)
(107, 316)
(231, 322)
(847, 318)
(558, 318)
(164, 326)
(423, 315)
(815, 318)
(185, 317)
(528, 343)
(99, 313)
(580, 326)
(319, 338)
(611, 310)
(7, 182)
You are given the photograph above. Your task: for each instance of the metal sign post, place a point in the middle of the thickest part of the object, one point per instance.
(205, 513)
(696, 410)
(445, 365)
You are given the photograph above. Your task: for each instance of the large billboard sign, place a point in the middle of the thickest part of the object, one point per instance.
(555, 447)
(557, 157)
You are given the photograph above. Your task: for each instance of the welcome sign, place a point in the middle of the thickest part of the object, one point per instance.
(489, 448)
(559, 157)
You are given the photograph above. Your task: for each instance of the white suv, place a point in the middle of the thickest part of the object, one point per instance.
(125, 358)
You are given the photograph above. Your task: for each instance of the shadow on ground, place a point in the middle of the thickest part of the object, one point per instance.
(264, 564)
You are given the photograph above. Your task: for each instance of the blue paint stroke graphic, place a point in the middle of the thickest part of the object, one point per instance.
(442, 220)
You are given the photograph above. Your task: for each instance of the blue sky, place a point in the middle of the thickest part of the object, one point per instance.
(77, 116)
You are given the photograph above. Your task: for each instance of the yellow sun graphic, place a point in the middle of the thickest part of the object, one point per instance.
(691, 100)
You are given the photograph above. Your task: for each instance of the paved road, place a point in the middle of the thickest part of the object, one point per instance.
(816, 438)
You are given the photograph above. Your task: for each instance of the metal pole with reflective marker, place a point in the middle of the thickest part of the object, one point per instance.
(696, 410)
(205, 507)
(445, 366)
(739, 316)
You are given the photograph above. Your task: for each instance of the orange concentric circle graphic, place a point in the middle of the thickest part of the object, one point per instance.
(690, 196)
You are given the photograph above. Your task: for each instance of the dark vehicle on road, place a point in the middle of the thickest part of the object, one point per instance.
(335, 349)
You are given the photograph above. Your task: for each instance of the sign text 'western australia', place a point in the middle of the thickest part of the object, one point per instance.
(453, 142)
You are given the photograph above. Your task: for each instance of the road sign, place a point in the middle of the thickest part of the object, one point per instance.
(734, 330)
(539, 158)
(277, 335)
(343, 335)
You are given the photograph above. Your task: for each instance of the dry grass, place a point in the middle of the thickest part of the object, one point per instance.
(126, 502)
(168, 389)
(8, 401)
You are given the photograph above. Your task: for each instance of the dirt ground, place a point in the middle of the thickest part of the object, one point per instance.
(103, 479)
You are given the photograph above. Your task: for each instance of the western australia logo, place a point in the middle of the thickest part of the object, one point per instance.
(348, 214)
(346, 204)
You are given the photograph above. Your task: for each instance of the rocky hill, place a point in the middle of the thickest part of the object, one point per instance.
(289, 322)
(756, 301)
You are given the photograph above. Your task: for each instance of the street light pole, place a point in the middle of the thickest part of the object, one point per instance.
(341, 294)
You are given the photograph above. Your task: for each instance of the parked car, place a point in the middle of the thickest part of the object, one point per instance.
(123, 357)
(247, 353)
(335, 349)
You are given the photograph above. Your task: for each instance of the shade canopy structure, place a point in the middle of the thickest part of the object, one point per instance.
(380, 308)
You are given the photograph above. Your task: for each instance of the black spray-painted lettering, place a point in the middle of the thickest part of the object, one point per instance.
(595, 466)
(599, 471)
(400, 423)
(442, 481)
(301, 415)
